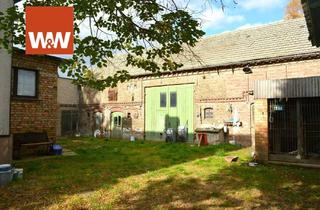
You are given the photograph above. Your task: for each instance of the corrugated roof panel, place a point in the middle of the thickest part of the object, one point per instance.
(287, 88)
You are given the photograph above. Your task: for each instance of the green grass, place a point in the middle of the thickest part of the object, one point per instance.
(150, 175)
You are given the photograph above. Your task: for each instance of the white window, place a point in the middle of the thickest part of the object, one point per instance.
(208, 113)
(25, 83)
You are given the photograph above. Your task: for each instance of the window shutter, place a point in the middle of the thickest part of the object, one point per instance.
(113, 94)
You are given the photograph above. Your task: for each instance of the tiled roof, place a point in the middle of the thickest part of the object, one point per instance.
(283, 38)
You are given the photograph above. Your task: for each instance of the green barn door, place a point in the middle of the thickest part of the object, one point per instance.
(156, 110)
(168, 107)
(185, 108)
(173, 117)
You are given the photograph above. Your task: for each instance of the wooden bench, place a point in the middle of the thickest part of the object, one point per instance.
(31, 139)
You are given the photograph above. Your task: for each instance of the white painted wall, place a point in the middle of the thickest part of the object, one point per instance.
(67, 92)
(5, 80)
(5, 67)
(68, 99)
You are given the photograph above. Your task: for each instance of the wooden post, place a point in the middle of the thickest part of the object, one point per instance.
(299, 131)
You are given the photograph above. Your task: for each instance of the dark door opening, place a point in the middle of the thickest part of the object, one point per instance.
(310, 109)
(294, 127)
(69, 122)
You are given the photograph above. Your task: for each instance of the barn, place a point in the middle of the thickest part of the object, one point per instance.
(245, 86)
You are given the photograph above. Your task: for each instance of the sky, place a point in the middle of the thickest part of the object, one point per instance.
(244, 14)
(214, 20)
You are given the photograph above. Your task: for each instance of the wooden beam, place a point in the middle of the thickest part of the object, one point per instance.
(299, 131)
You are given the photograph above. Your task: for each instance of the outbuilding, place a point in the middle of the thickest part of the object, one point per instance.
(258, 85)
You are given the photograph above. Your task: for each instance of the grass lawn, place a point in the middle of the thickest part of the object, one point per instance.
(150, 175)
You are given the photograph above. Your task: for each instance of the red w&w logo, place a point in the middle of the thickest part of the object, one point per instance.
(48, 41)
(49, 30)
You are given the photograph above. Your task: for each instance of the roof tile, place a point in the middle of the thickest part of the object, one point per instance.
(283, 38)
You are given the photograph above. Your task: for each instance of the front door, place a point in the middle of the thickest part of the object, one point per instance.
(116, 125)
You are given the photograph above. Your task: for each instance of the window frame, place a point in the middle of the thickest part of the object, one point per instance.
(117, 121)
(165, 101)
(14, 92)
(176, 99)
(113, 94)
(205, 113)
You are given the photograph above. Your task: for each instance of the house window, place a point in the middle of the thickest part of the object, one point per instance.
(208, 113)
(25, 83)
(163, 100)
(117, 121)
(113, 94)
(173, 99)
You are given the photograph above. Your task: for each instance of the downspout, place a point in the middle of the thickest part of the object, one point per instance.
(110, 123)
(143, 106)
(251, 112)
(253, 144)
(144, 112)
(80, 106)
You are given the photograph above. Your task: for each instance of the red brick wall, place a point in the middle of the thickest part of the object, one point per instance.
(261, 130)
(211, 89)
(40, 114)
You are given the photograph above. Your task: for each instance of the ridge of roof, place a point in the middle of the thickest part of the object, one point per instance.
(279, 39)
(253, 28)
(22, 51)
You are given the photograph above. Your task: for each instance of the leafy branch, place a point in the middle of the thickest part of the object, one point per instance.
(146, 32)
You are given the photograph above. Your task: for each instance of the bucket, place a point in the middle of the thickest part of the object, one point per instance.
(5, 167)
(132, 138)
(232, 142)
(57, 149)
(5, 174)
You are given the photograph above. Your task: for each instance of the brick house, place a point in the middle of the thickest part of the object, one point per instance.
(34, 94)
(219, 90)
(32, 99)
